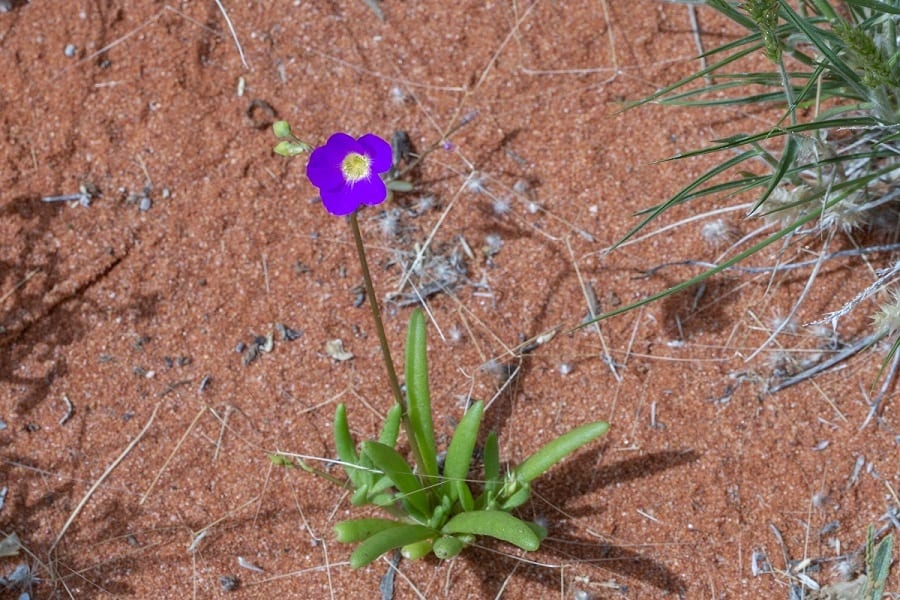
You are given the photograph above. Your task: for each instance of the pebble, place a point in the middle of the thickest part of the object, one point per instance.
(70, 50)
(228, 583)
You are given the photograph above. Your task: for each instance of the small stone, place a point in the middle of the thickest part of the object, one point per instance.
(70, 50)
(335, 349)
(229, 583)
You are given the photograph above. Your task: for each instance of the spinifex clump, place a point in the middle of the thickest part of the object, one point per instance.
(829, 167)
(431, 509)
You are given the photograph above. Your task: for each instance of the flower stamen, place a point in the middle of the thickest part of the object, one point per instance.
(355, 167)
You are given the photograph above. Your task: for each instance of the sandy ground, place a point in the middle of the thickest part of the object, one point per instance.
(127, 311)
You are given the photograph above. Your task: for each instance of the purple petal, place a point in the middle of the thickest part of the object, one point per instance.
(340, 201)
(323, 169)
(324, 166)
(378, 151)
(342, 142)
(370, 191)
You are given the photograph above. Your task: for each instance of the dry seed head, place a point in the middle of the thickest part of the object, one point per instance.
(846, 569)
(500, 206)
(398, 96)
(845, 215)
(820, 500)
(390, 223)
(887, 319)
(781, 363)
(496, 368)
(492, 244)
(785, 206)
(476, 183)
(455, 334)
(785, 325)
(717, 233)
(425, 204)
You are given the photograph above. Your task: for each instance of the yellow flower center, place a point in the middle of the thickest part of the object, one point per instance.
(355, 167)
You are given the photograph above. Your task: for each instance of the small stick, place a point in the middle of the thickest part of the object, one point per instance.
(778, 268)
(826, 364)
(590, 297)
(784, 552)
(695, 28)
(172, 455)
(70, 410)
(64, 198)
(102, 478)
(243, 562)
(221, 431)
(506, 383)
(233, 34)
(24, 280)
(888, 380)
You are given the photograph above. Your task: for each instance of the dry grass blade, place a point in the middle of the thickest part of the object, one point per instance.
(103, 477)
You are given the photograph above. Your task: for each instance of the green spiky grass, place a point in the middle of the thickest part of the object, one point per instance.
(830, 165)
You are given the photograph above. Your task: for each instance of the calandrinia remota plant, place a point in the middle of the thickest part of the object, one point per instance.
(432, 507)
(439, 510)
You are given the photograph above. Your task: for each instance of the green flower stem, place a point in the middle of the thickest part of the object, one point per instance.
(382, 339)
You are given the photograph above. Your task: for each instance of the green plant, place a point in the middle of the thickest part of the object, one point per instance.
(436, 509)
(433, 507)
(830, 165)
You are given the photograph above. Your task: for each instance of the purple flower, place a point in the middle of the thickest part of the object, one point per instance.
(347, 172)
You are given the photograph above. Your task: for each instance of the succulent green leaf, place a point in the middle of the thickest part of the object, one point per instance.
(398, 185)
(281, 129)
(391, 427)
(386, 540)
(346, 449)
(447, 546)
(459, 453)
(437, 517)
(393, 465)
(553, 452)
(416, 550)
(357, 530)
(519, 497)
(491, 463)
(418, 395)
(381, 484)
(496, 524)
(360, 496)
(383, 500)
(464, 495)
(286, 148)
